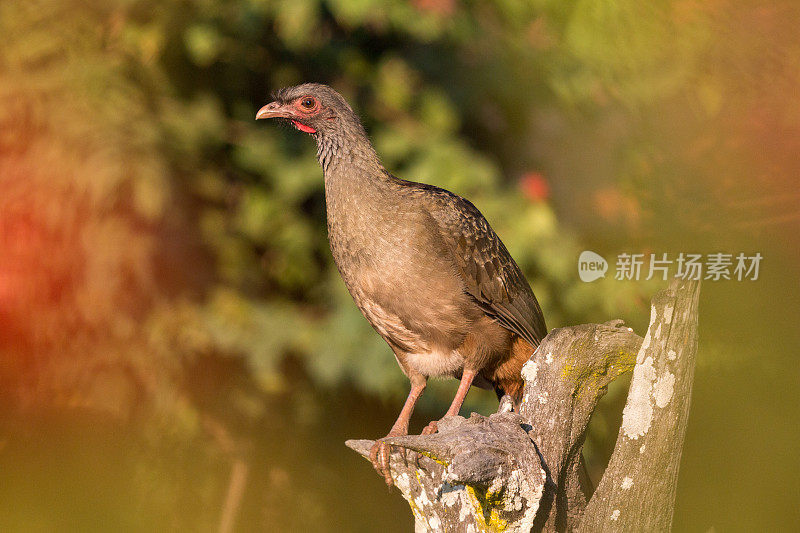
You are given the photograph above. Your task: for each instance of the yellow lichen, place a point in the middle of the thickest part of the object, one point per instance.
(430, 456)
(486, 509)
(586, 378)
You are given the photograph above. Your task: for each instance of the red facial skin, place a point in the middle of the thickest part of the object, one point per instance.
(298, 110)
(302, 127)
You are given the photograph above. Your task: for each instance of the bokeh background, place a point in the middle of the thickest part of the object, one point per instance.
(177, 352)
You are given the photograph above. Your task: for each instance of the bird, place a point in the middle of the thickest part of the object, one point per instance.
(422, 264)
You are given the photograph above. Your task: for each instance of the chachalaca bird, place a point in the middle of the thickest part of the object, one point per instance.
(422, 264)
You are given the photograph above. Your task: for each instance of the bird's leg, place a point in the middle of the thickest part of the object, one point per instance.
(463, 388)
(379, 454)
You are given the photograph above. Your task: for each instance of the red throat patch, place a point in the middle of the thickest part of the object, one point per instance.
(303, 127)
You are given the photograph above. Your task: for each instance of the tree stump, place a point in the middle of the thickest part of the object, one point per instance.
(522, 471)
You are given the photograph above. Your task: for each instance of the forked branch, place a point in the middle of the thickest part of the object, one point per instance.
(522, 471)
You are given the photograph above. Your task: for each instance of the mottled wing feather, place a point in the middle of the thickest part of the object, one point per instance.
(490, 274)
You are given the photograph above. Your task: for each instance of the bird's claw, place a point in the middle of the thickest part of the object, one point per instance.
(430, 429)
(379, 457)
(381, 451)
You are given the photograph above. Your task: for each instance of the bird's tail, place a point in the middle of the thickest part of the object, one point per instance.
(508, 377)
(515, 398)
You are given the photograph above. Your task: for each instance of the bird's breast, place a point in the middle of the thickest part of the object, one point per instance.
(436, 363)
(393, 262)
(370, 233)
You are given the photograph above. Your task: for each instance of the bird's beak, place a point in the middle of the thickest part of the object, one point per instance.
(274, 110)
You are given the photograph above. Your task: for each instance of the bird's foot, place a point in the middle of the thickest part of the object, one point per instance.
(379, 457)
(431, 428)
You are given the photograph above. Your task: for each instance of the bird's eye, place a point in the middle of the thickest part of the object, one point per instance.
(308, 102)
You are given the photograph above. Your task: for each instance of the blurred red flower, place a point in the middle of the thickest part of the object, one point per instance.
(440, 7)
(534, 186)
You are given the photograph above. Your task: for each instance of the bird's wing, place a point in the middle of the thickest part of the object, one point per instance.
(491, 276)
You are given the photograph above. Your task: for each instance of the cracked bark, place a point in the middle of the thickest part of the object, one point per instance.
(520, 471)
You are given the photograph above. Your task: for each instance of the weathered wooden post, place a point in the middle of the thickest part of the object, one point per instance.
(521, 471)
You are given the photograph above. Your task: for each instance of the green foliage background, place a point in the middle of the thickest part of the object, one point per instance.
(166, 274)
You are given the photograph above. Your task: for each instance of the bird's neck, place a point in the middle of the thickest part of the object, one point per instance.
(355, 180)
(358, 192)
(346, 146)
(349, 162)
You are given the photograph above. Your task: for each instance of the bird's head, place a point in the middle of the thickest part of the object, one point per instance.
(323, 113)
(312, 107)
